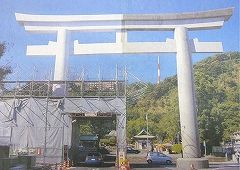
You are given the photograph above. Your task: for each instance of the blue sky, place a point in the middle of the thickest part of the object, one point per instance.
(143, 66)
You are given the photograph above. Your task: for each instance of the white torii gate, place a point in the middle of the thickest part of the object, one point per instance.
(180, 23)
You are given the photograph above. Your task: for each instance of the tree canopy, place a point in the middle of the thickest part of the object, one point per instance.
(217, 92)
(4, 70)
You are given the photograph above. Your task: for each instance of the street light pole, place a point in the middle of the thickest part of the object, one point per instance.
(147, 130)
(205, 148)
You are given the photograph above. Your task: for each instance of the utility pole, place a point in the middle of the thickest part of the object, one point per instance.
(147, 131)
(159, 74)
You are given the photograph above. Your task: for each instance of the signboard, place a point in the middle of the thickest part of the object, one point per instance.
(38, 151)
(121, 158)
(217, 149)
(108, 114)
(92, 114)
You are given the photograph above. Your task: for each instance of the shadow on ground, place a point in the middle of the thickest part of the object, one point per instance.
(106, 165)
(134, 165)
(145, 165)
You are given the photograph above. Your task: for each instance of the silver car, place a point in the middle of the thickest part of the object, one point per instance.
(158, 158)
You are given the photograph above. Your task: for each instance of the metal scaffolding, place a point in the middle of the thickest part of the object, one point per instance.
(35, 121)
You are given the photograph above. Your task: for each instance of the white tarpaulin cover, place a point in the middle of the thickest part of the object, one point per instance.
(28, 123)
(45, 123)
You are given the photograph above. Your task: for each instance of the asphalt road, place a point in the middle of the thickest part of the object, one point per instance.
(219, 166)
(138, 162)
(140, 166)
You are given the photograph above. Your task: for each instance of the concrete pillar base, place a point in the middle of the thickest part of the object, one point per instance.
(192, 163)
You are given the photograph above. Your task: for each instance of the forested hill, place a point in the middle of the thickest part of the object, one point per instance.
(217, 90)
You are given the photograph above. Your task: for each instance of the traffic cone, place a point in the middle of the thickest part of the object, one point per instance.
(56, 167)
(122, 167)
(64, 165)
(68, 164)
(61, 166)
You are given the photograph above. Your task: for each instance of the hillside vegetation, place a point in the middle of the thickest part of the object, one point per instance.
(217, 92)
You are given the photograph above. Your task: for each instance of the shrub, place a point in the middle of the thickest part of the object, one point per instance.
(176, 148)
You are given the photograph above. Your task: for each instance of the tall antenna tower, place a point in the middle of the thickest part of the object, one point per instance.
(158, 78)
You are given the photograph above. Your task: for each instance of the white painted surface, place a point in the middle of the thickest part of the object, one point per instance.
(186, 95)
(43, 50)
(123, 48)
(62, 55)
(205, 47)
(124, 22)
(61, 61)
(114, 28)
(144, 47)
(158, 72)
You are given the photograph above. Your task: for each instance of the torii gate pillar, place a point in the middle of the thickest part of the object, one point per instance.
(61, 62)
(187, 105)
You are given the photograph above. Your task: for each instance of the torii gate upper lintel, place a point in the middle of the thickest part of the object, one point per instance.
(180, 23)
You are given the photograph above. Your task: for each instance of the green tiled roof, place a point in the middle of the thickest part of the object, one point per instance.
(89, 138)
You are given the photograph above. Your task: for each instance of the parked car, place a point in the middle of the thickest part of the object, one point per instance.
(131, 150)
(94, 159)
(158, 158)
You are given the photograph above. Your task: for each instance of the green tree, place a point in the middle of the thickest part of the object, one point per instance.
(217, 93)
(98, 126)
(4, 70)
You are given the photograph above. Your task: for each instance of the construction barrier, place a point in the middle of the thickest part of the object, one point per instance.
(62, 166)
(124, 165)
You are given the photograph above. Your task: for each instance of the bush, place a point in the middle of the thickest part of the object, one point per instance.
(176, 148)
(111, 141)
